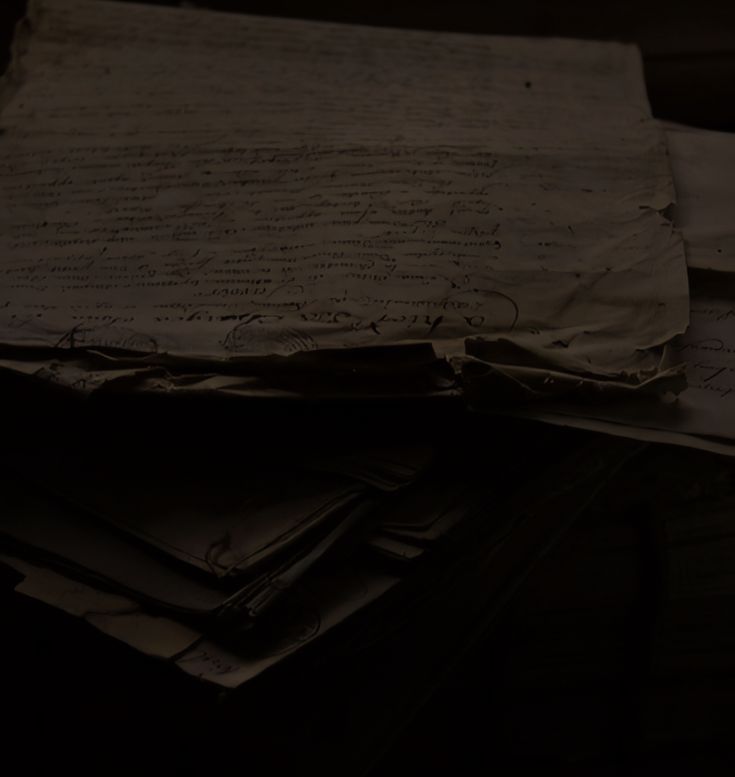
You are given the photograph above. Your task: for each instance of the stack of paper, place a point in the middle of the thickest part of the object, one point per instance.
(226, 574)
(242, 205)
(159, 561)
(196, 203)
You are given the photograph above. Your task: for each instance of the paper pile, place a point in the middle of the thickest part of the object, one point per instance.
(202, 202)
(265, 557)
(225, 567)
(195, 203)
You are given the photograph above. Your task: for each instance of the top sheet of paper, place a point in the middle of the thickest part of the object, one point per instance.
(219, 186)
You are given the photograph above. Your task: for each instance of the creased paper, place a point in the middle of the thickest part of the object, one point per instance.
(703, 416)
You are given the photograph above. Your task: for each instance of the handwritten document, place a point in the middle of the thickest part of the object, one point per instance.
(709, 349)
(206, 185)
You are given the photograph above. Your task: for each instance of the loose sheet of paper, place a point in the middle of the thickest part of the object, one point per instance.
(703, 416)
(199, 184)
(703, 164)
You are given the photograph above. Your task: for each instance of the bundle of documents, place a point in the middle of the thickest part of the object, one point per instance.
(265, 558)
(201, 202)
(225, 564)
(230, 207)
